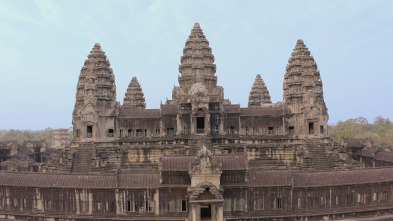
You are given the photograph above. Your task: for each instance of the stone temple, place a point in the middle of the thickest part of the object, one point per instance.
(199, 157)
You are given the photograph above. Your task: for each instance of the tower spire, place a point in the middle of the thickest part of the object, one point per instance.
(197, 63)
(95, 97)
(259, 93)
(134, 96)
(96, 84)
(302, 75)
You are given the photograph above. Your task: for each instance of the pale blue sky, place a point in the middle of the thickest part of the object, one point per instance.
(43, 45)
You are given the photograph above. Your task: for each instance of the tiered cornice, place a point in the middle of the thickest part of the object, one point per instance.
(197, 63)
(259, 93)
(134, 96)
(302, 75)
(96, 84)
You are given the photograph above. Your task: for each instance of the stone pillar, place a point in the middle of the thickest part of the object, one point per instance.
(157, 202)
(220, 212)
(213, 212)
(39, 204)
(90, 198)
(179, 128)
(119, 202)
(77, 202)
(194, 213)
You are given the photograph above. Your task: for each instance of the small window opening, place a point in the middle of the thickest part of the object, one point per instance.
(246, 130)
(321, 129)
(200, 125)
(121, 133)
(278, 203)
(157, 131)
(310, 128)
(206, 211)
(139, 132)
(89, 131)
(270, 130)
(170, 131)
(149, 206)
(291, 130)
(186, 129)
(184, 205)
(110, 133)
(130, 134)
(129, 206)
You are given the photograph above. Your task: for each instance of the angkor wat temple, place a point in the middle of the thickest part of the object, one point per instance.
(200, 157)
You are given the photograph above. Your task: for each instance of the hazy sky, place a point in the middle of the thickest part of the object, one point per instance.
(43, 45)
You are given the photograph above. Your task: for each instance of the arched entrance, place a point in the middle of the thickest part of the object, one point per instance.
(206, 202)
(200, 121)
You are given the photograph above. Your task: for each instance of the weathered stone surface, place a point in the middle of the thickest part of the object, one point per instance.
(61, 138)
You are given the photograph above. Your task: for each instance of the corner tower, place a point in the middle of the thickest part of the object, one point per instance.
(134, 96)
(259, 94)
(95, 107)
(303, 94)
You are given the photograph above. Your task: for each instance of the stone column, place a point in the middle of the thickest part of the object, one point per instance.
(220, 212)
(119, 202)
(213, 212)
(194, 213)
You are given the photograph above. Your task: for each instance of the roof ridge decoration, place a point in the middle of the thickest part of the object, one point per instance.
(259, 93)
(204, 163)
(134, 96)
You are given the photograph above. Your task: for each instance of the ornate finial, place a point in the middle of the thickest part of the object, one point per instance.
(196, 25)
(204, 163)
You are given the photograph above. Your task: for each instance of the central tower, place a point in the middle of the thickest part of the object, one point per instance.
(198, 98)
(197, 63)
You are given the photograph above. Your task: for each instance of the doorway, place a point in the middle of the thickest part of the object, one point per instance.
(206, 212)
(200, 121)
(200, 125)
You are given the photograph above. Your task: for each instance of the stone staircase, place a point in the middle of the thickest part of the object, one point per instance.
(81, 163)
(317, 156)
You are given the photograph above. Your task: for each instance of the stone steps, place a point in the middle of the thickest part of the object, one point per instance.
(81, 163)
(317, 157)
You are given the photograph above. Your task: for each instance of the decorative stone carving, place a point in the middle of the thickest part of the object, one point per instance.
(197, 192)
(199, 94)
(205, 164)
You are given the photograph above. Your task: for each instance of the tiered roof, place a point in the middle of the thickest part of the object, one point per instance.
(96, 84)
(302, 74)
(259, 93)
(134, 96)
(197, 63)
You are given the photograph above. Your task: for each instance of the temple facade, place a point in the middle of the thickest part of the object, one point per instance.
(200, 157)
